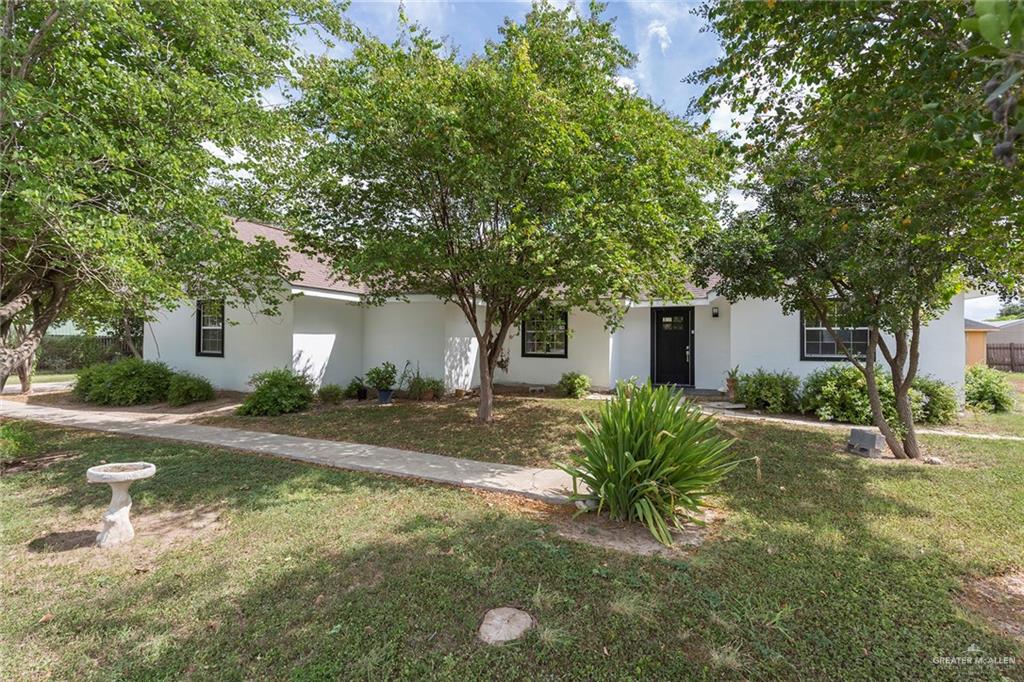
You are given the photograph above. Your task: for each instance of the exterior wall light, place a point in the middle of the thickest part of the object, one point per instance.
(714, 312)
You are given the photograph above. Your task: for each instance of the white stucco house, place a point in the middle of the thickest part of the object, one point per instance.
(324, 331)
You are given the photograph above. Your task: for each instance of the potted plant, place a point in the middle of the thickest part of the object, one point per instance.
(382, 378)
(732, 379)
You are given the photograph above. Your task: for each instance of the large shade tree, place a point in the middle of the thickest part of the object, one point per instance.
(516, 176)
(879, 194)
(110, 114)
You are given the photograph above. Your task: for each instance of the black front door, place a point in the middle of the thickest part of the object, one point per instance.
(672, 346)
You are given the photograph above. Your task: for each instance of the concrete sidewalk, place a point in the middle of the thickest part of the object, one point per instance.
(548, 485)
(13, 386)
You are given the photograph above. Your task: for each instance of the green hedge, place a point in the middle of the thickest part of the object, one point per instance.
(774, 392)
(840, 393)
(188, 388)
(277, 391)
(139, 382)
(574, 385)
(64, 353)
(127, 382)
(988, 390)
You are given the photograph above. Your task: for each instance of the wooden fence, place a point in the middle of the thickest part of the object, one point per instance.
(1008, 357)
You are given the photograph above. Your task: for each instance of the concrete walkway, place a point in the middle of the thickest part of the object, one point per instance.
(548, 485)
(13, 386)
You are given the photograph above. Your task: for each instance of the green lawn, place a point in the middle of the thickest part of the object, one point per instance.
(52, 377)
(1008, 423)
(526, 431)
(830, 566)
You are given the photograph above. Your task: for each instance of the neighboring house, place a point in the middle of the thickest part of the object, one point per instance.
(1006, 331)
(325, 332)
(975, 334)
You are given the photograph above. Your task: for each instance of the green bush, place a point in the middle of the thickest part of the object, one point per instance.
(774, 392)
(188, 388)
(126, 382)
(352, 390)
(649, 455)
(940, 406)
(988, 389)
(382, 377)
(840, 393)
(64, 353)
(331, 394)
(277, 391)
(574, 385)
(421, 386)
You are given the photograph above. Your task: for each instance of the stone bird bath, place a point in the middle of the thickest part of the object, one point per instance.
(117, 526)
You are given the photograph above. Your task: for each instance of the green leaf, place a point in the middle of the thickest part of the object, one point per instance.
(991, 27)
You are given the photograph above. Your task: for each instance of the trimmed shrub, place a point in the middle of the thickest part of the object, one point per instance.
(382, 377)
(126, 382)
(188, 388)
(840, 393)
(352, 390)
(331, 394)
(419, 387)
(574, 385)
(277, 391)
(940, 406)
(988, 389)
(650, 454)
(773, 392)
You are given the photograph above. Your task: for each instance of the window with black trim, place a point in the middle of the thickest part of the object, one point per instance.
(210, 328)
(816, 343)
(545, 333)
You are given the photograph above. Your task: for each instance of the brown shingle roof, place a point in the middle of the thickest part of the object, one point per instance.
(317, 275)
(312, 273)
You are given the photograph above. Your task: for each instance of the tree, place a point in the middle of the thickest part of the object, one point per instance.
(1012, 311)
(999, 25)
(108, 114)
(849, 257)
(503, 180)
(878, 199)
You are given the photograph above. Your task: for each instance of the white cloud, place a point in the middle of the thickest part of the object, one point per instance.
(984, 308)
(626, 83)
(658, 30)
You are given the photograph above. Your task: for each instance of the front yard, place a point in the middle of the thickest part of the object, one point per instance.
(254, 568)
(526, 431)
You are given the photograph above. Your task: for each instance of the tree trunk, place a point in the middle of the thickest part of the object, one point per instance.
(877, 412)
(485, 412)
(903, 408)
(126, 331)
(14, 358)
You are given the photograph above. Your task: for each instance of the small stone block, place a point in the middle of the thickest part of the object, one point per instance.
(866, 443)
(504, 625)
(537, 389)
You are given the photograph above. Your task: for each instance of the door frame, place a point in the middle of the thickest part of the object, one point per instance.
(689, 311)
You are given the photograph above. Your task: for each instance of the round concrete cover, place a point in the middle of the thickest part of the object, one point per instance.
(504, 625)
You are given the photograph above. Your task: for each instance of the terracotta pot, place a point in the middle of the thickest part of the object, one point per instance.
(730, 388)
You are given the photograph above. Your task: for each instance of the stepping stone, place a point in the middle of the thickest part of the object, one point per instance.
(504, 625)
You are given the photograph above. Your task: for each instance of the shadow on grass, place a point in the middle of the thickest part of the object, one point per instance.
(63, 541)
(408, 607)
(187, 475)
(343, 576)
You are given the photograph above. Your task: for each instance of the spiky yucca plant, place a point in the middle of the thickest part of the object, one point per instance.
(650, 457)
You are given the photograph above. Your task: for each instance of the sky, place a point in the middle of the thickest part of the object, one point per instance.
(665, 35)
